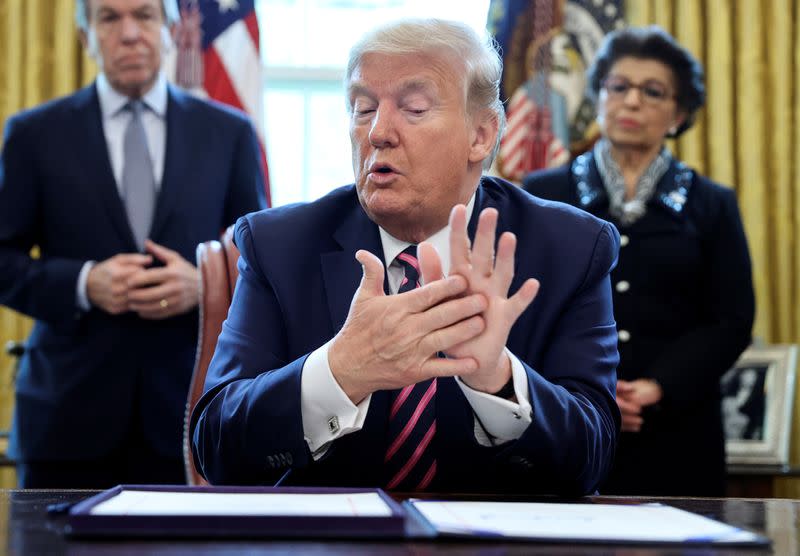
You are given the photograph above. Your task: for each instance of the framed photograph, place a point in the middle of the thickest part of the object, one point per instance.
(757, 396)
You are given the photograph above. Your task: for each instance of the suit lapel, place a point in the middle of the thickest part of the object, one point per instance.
(96, 162)
(176, 158)
(341, 272)
(341, 275)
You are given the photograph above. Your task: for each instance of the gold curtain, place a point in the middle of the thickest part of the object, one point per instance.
(41, 59)
(748, 137)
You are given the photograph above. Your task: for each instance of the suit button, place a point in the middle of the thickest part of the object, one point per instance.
(623, 286)
(624, 240)
(271, 461)
(520, 462)
(624, 336)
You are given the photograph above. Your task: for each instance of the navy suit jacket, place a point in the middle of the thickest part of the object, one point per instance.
(297, 278)
(82, 373)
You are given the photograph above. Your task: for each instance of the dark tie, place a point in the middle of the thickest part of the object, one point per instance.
(138, 182)
(410, 461)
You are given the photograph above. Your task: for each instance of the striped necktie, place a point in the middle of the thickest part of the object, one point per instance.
(410, 462)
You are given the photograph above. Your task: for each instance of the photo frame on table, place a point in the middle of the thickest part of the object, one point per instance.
(757, 399)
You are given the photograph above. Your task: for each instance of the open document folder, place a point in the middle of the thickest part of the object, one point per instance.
(595, 523)
(170, 511)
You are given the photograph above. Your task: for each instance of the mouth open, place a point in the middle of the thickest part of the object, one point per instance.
(382, 173)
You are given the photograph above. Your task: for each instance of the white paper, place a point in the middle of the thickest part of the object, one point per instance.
(159, 503)
(589, 522)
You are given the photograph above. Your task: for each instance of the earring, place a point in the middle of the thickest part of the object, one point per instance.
(673, 130)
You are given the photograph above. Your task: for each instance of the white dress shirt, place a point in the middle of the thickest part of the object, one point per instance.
(329, 414)
(115, 122)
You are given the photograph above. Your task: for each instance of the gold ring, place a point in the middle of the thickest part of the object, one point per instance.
(164, 303)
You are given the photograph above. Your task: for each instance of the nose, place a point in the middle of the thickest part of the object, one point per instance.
(129, 29)
(383, 132)
(633, 96)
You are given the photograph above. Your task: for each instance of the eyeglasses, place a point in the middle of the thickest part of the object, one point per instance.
(651, 91)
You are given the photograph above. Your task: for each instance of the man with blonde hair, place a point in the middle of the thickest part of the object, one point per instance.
(377, 343)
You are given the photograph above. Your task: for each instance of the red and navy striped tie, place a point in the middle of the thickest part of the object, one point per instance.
(410, 461)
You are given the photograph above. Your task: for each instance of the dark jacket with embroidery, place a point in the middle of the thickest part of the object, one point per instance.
(684, 306)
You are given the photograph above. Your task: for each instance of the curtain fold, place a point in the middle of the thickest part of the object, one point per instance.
(41, 59)
(748, 138)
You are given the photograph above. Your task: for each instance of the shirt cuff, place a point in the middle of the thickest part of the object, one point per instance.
(502, 419)
(327, 411)
(81, 295)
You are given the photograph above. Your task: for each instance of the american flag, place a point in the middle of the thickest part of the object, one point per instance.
(218, 55)
(529, 142)
(546, 46)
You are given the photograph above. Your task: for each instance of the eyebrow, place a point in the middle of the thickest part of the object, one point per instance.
(404, 88)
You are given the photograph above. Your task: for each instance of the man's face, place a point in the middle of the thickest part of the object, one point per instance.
(125, 38)
(416, 152)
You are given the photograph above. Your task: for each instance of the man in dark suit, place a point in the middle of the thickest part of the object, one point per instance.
(449, 383)
(116, 184)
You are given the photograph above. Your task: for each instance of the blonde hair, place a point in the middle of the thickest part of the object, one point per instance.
(482, 64)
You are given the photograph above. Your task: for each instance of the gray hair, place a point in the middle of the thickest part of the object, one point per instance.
(169, 7)
(483, 66)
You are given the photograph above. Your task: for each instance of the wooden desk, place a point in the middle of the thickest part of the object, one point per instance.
(26, 529)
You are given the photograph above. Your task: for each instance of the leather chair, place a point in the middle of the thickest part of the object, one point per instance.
(216, 261)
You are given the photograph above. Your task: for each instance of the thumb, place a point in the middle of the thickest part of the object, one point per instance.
(372, 279)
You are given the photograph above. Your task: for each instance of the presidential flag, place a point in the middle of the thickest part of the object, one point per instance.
(547, 46)
(218, 56)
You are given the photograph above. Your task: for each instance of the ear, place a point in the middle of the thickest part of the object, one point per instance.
(483, 136)
(677, 122)
(83, 38)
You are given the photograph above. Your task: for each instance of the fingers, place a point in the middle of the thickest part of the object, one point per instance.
(459, 240)
(629, 408)
(632, 423)
(448, 313)
(504, 265)
(372, 278)
(624, 387)
(162, 253)
(143, 298)
(429, 263)
(442, 366)
(422, 299)
(523, 298)
(445, 338)
(149, 277)
(482, 256)
(132, 259)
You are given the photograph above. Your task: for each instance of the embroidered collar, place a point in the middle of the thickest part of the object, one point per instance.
(671, 192)
(628, 211)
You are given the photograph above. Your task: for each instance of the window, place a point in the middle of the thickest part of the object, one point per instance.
(304, 47)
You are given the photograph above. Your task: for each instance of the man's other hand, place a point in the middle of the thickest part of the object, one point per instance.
(163, 292)
(490, 277)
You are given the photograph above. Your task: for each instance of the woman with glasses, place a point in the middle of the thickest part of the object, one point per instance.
(683, 294)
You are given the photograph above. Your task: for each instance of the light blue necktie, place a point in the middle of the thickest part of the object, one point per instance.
(138, 182)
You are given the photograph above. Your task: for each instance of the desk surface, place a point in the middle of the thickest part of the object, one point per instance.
(26, 529)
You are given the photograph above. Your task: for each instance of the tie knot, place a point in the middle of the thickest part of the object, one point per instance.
(135, 107)
(408, 261)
